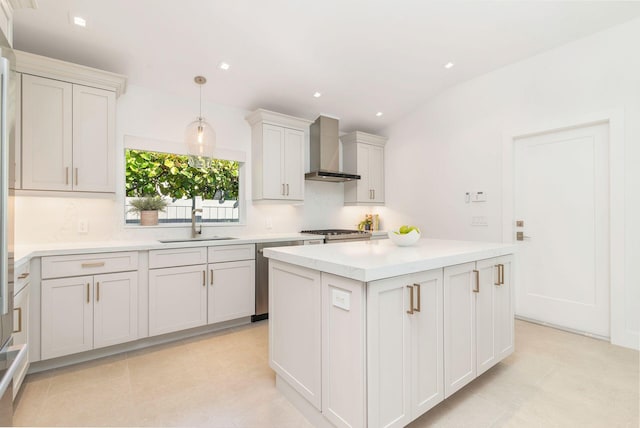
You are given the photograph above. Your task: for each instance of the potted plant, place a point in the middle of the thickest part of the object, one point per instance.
(148, 207)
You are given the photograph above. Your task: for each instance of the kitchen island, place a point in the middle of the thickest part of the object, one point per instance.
(368, 334)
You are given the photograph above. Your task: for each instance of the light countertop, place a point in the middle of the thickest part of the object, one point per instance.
(23, 253)
(377, 259)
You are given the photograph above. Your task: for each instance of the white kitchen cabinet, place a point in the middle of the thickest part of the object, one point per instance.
(364, 155)
(88, 312)
(68, 136)
(21, 324)
(295, 316)
(177, 298)
(94, 165)
(47, 137)
(115, 308)
(478, 324)
(231, 292)
(67, 125)
(405, 347)
(67, 316)
(277, 150)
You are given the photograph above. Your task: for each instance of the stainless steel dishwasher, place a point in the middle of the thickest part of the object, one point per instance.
(262, 277)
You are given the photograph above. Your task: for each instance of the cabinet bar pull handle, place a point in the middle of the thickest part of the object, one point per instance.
(477, 289)
(374, 194)
(97, 291)
(501, 274)
(211, 279)
(204, 278)
(287, 189)
(410, 311)
(66, 176)
(282, 189)
(23, 276)
(76, 176)
(417, 309)
(88, 293)
(92, 265)
(498, 280)
(19, 320)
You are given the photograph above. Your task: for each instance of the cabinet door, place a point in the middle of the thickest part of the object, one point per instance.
(67, 316)
(504, 304)
(46, 134)
(93, 139)
(486, 311)
(294, 164)
(21, 334)
(364, 191)
(459, 327)
(388, 352)
(15, 157)
(177, 298)
(273, 186)
(115, 315)
(427, 387)
(376, 173)
(231, 290)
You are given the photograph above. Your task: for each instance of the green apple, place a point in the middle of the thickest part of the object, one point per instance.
(413, 228)
(404, 230)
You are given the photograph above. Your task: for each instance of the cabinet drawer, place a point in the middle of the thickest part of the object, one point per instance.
(177, 257)
(230, 253)
(21, 277)
(88, 264)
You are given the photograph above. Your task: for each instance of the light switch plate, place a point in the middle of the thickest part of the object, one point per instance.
(341, 299)
(83, 226)
(479, 221)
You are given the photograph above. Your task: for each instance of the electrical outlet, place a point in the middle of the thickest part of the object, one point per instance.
(83, 226)
(268, 223)
(479, 221)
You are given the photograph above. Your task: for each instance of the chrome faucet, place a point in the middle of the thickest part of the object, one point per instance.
(195, 232)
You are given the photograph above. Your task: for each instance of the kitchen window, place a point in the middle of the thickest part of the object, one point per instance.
(186, 182)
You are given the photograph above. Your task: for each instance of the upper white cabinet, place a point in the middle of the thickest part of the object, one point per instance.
(364, 153)
(7, 8)
(67, 125)
(278, 145)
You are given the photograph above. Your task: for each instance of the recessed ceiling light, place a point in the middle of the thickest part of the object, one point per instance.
(378, 114)
(223, 66)
(79, 21)
(317, 94)
(449, 65)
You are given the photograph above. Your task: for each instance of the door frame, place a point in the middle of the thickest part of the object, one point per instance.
(620, 335)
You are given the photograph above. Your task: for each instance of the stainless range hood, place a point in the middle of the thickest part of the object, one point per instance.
(325, 152)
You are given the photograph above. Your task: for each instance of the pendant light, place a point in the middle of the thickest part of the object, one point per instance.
(199, 135)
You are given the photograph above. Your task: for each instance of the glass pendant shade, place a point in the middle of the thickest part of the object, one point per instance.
(200, 138)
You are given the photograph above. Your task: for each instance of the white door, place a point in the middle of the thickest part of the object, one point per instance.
(93, 139)
(231, 291)
(67, 316)
(46, 133)
(561, 195)
(294, 164)
(177, 298)
(115, 316)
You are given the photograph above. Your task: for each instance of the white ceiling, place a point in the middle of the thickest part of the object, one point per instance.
(364, 56)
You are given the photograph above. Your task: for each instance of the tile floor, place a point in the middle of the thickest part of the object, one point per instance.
(554, 379)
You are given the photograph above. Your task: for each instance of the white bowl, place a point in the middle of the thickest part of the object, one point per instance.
(404, 240)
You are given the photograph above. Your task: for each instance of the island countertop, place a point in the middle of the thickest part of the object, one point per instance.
(372, 260)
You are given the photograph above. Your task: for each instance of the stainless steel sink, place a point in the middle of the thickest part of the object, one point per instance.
(210, 238)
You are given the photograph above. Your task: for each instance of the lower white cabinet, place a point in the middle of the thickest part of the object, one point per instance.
(478, 323)
(177, 298)
(231, 292)
(405, 347)
(87, 312)
(21, 333)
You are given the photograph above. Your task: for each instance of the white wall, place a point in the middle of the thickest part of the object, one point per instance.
(163, 117)
(453, 143)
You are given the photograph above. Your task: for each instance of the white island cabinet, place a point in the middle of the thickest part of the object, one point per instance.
(368, 334)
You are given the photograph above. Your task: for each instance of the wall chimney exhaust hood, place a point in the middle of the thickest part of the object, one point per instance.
(325, 152)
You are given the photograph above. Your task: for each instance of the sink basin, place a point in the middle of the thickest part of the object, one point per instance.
(210, 238)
